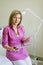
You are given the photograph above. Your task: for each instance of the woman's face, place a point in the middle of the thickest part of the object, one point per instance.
(16, 19)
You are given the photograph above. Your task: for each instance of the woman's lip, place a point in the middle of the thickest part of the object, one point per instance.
(15, 21)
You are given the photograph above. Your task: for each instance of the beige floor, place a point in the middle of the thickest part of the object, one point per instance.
(38, 62)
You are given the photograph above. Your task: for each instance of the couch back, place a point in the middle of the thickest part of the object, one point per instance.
(1, 30)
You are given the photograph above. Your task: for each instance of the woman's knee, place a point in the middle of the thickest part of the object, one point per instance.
(19, 62)
(28, 61)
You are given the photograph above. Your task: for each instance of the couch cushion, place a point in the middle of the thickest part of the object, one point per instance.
(2, 51)
(1, 30)
(5, 61)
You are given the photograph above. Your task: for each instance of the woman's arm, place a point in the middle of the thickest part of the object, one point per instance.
(26, 40)
(9, 48)
(5, 40)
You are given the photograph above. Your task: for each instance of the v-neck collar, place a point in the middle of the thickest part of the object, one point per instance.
(15, 32)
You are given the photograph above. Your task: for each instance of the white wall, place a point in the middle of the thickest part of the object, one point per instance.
(30, 22)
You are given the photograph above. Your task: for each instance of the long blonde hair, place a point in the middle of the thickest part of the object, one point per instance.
(14, 13)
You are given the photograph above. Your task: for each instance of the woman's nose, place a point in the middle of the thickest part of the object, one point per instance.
(16, 19)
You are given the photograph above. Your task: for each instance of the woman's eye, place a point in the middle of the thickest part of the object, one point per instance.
(14, 17)
(18, 18)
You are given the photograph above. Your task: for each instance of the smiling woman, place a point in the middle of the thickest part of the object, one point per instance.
(13, 37)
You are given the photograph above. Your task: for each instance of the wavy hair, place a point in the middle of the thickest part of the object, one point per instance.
(14, 13)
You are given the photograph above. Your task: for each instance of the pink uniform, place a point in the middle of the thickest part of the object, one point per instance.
(10, 38)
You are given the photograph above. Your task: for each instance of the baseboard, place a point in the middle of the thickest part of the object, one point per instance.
(36, 57)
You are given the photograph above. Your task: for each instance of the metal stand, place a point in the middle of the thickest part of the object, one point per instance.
(35, 35)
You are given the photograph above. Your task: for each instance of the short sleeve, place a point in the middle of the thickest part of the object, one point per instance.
(5, 37)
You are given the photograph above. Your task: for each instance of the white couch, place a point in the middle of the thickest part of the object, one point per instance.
(2, 50)
(3, 59)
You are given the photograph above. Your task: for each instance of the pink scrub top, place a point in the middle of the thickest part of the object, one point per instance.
(10, 38)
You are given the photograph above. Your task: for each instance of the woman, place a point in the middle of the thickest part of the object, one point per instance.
(13, 39)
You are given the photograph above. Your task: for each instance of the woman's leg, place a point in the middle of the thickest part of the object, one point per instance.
(19, 62)
(28, 61)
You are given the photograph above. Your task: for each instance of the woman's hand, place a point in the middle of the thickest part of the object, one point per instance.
(14, 49)
(27, 40)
